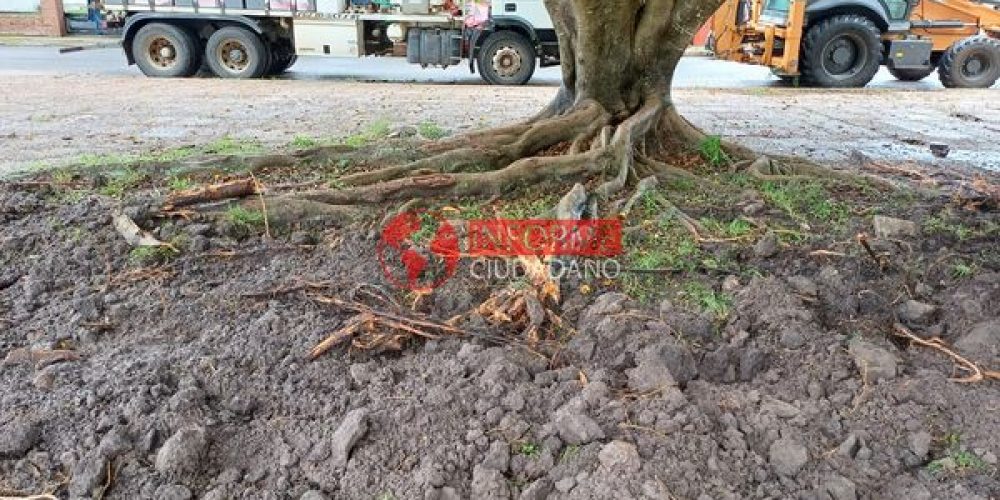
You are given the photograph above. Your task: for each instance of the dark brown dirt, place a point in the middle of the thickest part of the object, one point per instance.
(754, 367)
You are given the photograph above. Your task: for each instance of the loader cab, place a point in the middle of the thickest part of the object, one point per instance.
(883, 12)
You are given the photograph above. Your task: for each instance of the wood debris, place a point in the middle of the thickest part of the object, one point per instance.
(135, 235)
(39, 357)
(371, 329)
(215, 192)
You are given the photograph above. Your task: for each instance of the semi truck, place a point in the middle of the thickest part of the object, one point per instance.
(502, 41)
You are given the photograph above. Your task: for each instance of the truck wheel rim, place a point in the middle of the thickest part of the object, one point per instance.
(233, 55)
(161, 52)
(844, 57)
(507, 62)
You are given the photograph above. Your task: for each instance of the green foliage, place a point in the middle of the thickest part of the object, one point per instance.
(429, 225)
(430, 130)
(806, 201)
(230, 146)
(946, 223)
(303, 142)
(956, 460)
(707, 300)
(121, 181)
(245, 218)
(711, 151)
(146, 256)
(736, 228)
(177, 183)
(961, 270)
(529, 449)
(376, 130)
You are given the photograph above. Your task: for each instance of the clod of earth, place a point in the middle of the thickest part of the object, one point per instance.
(351, 429)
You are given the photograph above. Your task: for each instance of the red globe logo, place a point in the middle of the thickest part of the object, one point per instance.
(418, 251)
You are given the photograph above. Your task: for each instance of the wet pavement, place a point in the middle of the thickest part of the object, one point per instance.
(693, 72)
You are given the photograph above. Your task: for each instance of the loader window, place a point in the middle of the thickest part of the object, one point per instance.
(777, 6)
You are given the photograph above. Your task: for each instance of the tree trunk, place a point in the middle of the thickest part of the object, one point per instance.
(613, 109)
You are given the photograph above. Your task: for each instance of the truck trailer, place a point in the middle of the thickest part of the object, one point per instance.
(503, 41)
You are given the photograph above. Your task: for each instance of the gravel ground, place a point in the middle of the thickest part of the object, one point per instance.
(50, 120)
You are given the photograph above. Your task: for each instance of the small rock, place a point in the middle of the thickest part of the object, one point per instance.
(731, 284)
(489, 484)
(498, 456)
(982, 343)
(849, 447)
(920, 444)
(302, 238)
(779, 408)
(182, 452)
(314, 495)
(538, 490)
(787, 456)
(173, 492)
(913, 312)
(768, 245)
(354, 425)
(839, 488)
(576, 428)
(889, 227)
(873, 361)
(88, 474)
(17, 437)
(620, 455)
(565, 484)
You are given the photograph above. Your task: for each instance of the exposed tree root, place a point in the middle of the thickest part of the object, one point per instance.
(975, 372)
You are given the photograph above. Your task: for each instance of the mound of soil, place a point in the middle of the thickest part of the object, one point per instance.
(172, 377)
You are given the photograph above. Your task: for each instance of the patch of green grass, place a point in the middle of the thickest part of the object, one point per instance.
(955, 460)
(303, 142)
(806, 201)
(710, 148)
(376, 130)
(121, 181)
(245, 218)
(231, 146)
(145, 256)
(961, 270)
(430, 130)
(736, 228)
(707, 300)
(529, 449)
(177, 183)
(62, 176)
(946, 223)
(528, 207)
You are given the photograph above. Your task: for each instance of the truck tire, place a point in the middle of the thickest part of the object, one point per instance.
(842, 51)
(282, 57)
(235, 52)
(165, 51)
(507, 58)
(971, 63)
(911, 75)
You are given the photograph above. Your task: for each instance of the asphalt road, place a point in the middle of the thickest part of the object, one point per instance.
(693, 72)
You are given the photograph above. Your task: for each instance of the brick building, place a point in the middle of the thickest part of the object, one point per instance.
(46, 19)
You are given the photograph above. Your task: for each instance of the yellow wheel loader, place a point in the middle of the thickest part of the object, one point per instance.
(843, 43)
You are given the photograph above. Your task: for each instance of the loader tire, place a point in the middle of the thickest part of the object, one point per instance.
(235, 52)
(971, 63)
(911, 75)
(165, 51)
(842, 51)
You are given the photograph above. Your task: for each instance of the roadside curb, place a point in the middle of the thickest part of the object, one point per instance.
(53, 41)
